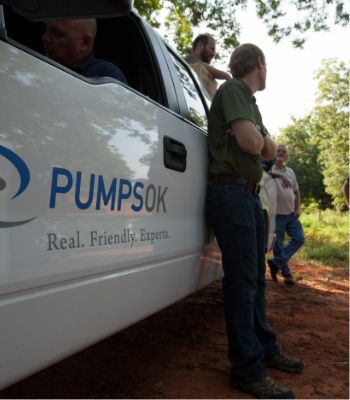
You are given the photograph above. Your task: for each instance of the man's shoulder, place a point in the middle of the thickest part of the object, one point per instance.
(231, 83)
(192, 58)
(97, 67)
(290, 170)
(231, 92)
(232, 86)
(108, 68)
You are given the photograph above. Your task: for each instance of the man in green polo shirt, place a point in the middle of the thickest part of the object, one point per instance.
(237, 142)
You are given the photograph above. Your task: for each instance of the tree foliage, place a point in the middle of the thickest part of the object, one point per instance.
(221, 17)
(330, 124)
(303, 159)
(319, 142)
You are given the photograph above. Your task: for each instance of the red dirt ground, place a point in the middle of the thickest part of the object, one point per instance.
(181, 351)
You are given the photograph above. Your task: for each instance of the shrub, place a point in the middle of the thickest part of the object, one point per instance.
(327, 237)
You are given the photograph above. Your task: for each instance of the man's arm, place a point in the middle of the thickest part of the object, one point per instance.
(216, 73)
(297, 204)
(248, 137)
(268, 151)
(286, 183)
(251, 141)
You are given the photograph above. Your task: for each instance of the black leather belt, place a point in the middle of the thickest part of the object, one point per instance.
(254, 188)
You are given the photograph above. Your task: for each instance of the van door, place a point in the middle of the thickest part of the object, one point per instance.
(203, 259)
(91, 221)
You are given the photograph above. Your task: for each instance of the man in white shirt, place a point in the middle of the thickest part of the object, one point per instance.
(287, 218)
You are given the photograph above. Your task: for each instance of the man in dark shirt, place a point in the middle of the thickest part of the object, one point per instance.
(237, 142)
(71, 43)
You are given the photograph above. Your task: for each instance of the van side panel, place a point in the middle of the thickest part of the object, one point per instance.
(95, 184)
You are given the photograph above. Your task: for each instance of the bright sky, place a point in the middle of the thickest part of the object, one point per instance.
(290, 88)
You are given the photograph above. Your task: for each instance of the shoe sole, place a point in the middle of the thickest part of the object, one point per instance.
(283, 395)
(294, 370)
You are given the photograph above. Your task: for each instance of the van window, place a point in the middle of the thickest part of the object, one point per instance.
(196, 110)
(132, 56)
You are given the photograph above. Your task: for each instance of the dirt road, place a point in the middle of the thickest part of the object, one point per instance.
(181, 351)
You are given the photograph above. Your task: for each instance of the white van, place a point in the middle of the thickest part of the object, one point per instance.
(102, 185)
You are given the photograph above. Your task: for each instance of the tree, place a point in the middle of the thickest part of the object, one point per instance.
(303, 159)
(330, 124)
(221, 17)
(318, 143)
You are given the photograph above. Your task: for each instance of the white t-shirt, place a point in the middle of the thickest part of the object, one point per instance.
(285, 196)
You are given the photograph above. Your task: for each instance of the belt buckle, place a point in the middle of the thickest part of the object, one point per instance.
(256, 189)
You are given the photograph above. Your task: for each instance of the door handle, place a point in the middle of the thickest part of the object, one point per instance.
(175, 154)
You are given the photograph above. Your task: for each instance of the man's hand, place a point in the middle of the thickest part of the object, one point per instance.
(286, 183)
(296, 213)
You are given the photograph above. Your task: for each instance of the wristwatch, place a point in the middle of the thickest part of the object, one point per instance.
(262, 130)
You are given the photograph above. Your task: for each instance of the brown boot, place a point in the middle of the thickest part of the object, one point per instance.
(266, 388)
(284, 363)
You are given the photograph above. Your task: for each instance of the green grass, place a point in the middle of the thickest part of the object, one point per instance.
(327, 238)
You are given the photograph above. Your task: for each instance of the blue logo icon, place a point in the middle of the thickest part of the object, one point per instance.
(24, 174)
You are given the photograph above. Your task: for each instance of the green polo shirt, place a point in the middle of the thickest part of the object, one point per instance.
(233, 100)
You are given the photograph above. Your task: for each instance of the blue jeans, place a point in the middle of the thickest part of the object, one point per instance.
(282, 254)
(237, 218)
